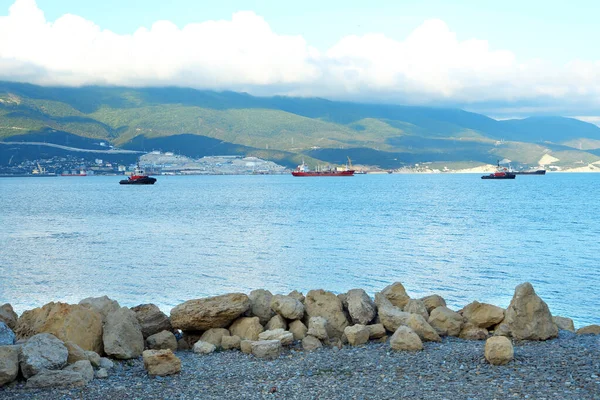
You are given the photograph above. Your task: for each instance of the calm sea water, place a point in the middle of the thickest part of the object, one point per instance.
(64, 239)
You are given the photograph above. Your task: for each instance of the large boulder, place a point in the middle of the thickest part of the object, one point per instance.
(432, 302)
(68, 322)
(498, 350)
(396, 294)
(162, 341)
(215, 336)
(376, 331)
(482, 315)
(361, 308)
(320, 303)
(528, 317)
(564, 323)
(8, 316)
(445, 321)
(286, 338)
(414, 306)
(103, 305)
(317, 327)
(9, 364)
(288, 307)
(42, 351)
(55, 379)
(390, 316)
(209, 312)
(247, 328)
(297, 295)
(266, 349)
(151, 319)
(7, 336)
(260, 305)
(161, 362)
(405, 339)
(123, 337)
(357, 334)
(276, 322)
(417, 323)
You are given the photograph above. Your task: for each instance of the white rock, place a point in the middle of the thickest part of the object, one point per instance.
(201, 347)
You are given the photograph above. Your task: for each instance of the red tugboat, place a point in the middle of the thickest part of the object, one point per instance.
(303, 170)
(138, 178)
(501, 173)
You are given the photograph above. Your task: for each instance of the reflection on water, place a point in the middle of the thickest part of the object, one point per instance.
(185, 237)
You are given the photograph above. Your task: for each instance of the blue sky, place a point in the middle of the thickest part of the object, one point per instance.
(546, 51)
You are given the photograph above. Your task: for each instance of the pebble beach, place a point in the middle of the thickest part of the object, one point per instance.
(566, 367)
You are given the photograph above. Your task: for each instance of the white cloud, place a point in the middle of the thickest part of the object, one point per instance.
(430, 66)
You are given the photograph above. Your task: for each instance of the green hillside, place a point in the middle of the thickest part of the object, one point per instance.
(284, 129)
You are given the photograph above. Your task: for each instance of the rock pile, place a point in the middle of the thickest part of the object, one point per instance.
(63, 344)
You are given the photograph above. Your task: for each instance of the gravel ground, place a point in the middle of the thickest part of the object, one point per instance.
(565, 368)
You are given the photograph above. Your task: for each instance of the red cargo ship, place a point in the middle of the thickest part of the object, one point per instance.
(303, 170)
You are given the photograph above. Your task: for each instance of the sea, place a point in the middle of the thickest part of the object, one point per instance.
(186, 237)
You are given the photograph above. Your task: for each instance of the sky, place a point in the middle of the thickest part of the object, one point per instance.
(504, 59)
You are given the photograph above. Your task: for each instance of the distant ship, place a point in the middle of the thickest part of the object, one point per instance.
(303, 170)
(501, 173)
(74, 173)
(138, 178)
(536, 172)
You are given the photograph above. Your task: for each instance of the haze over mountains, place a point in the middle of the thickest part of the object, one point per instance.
(282, 129)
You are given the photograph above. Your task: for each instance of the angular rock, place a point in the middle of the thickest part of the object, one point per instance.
(589, 330)
(68, 322)
(103, 305)
(84, 367)
(528, 317)
(445, 321)
(286, 338)
(9, 364)
(390, 316)
(311, 343)
(7, 336)
(432, 302)
(101, 373)
(276, 322)
(210, 312)
(260, 305)
(414, 306)
(320, 303)
(151, 319)
(247, 328)
(376, 331)
(123, 337)
(246, 346)
(297, 295)
(106, 363)
(288, 307)
(317, 327)
(357, 334)
(161, 362)
(396, 294)
(231, 342)
(298, 329)
(405, 339)
(269, 349)
(94, 358)
(162, 341)
(201, 347)
(42, 351)
(473, 332)
(482, 315)
(422, 328)
(54, 379)
(566, 324)
(498, 350)
(361, 308)
(76, 353)
(215, 336)
(8, 316)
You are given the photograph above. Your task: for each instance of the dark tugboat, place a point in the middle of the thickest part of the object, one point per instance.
(138, 178)
(501, 173)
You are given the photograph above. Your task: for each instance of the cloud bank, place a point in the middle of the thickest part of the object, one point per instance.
(430, 66)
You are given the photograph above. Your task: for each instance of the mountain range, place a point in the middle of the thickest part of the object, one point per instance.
(285, 130)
